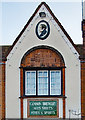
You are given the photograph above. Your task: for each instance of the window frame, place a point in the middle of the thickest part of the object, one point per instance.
(51, 80)
(30, 71)
(46, 81)
(39, 69)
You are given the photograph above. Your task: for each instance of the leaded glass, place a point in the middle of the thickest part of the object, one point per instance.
(30, 83)
(42, 82)
(55, 82)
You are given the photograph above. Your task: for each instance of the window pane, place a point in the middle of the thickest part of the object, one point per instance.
(30, 83)
(55, 82)
(42, 82)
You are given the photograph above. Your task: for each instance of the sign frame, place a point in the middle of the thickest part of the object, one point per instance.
(42, 116)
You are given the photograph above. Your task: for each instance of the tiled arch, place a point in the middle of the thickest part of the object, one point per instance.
(42, 56)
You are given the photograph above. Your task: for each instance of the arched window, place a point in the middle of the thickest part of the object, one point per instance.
(42, 72)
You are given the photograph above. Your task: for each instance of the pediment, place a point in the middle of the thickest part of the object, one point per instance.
(44, 8)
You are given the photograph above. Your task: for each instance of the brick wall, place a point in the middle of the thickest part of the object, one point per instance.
(42, 58)
(2, 90)
(83, 88)
(83, 74)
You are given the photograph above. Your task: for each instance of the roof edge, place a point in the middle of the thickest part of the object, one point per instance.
(48, 8)
(62, 28)
(22, 31)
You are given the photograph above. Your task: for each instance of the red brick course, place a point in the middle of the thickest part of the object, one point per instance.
(83, 74)
(42, 58)
(83, 89)
(2, 90)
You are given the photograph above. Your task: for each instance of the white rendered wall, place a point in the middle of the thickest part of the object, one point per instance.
(72, 72)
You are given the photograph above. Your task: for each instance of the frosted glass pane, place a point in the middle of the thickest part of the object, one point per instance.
(45, 73)
(30, 83)
(55, 82)
(42, 82)
(40, 73)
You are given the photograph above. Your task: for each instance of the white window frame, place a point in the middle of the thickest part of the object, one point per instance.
(51, 83)
(42, 77)
(26, 82)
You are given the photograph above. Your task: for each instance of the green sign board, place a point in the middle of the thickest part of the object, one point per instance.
(43, 107)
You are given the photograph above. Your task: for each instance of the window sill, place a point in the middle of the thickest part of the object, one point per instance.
(24, 97)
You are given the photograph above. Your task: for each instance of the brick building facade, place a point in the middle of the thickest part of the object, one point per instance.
(42, 75)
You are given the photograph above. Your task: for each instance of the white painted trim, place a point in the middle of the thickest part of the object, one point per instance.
(19, 108)
(25, 108)
(60, 108)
